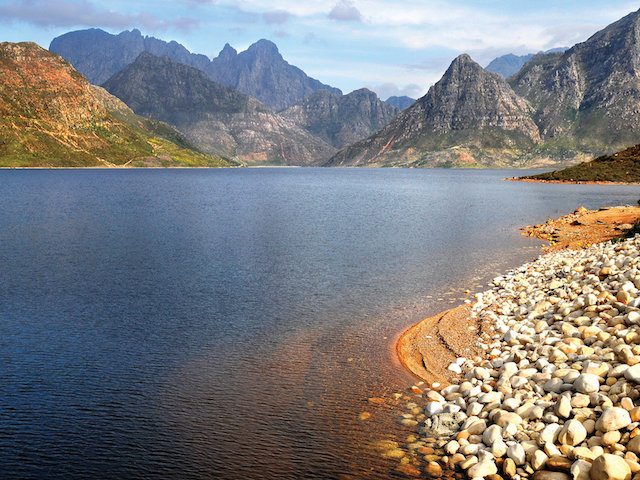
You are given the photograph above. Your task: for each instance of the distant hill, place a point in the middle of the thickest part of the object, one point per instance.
(621, 167)
(260, 71)
(471, 117)
(50, 116)
(215, 118)
(341, 120)
(401, 103)
(510, 64)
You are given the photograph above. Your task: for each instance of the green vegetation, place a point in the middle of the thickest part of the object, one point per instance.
(622, 167)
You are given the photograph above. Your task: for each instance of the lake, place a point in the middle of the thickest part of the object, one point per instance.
(178, 324)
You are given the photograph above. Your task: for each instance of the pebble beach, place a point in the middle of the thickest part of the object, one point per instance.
(553, 392)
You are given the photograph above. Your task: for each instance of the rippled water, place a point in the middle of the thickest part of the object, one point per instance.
(232, 323)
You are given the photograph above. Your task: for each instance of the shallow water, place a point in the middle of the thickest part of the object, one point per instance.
(232, 323)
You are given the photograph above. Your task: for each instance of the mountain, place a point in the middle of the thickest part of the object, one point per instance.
(507, 65)
(401, 103)
(622, 167)
(341, 120)
(588, 98)
(510, 64)
(260, 71)
(213, 117)
(470, 117)
(50, 116)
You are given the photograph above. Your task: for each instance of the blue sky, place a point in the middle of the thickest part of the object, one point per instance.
(392, 47)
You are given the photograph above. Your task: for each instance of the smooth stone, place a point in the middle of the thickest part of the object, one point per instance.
(538, 459)
(516, 453)
(613, 418)
(633, 373)
(580, 470)
(492, 435)
(483, 469)
(610, 467)
(572, 433)
(549, 475)
(586, 383)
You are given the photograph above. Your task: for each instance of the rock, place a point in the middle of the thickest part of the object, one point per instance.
(409, 470)
(509, 468)
(483, 469)
(549, 433)
(452, 447)
(505, 418)
(560, 463)
(516, 453)
(433, 470)
(609, 467)
(394, 453)
(538, 459)
(613, 418)
(443, 424)
(491, 435)
(634, 445)
(633, 373)
(586, 383)
(549, 475)
(433, 408)
(580, 470)
(572, 433)
(563, 407)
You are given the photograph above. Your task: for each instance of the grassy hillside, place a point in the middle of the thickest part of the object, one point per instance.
(50, 116)
(623, 166)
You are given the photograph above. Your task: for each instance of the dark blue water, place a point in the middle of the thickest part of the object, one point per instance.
(231, 323)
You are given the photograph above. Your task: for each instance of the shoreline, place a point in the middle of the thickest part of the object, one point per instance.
(570, 182)
(572, 413)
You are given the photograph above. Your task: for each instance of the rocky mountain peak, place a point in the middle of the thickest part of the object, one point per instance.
(264, 47)
(227, 52)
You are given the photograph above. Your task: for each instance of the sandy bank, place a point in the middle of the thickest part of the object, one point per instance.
(427, 348)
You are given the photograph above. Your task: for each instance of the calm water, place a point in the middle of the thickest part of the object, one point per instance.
(232, 323)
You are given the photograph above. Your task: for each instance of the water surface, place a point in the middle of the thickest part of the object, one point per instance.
(232, 323)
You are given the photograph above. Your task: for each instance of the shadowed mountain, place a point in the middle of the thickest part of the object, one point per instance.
(213, 117)
(507, 65)
(470, 117)
(510, 64)
(587, 98)
(341, 120)
(401, 103)
(51, 116)
(260, 71)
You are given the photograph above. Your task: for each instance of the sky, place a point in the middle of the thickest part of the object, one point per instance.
(391, 47)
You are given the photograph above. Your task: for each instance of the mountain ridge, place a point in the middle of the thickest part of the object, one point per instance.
(469, 110)
(50, 116)
(260, 71)
(341, 119)
(215, 118)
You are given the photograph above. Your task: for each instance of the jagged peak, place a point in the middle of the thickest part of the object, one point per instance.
(133, 33)
(228, 50)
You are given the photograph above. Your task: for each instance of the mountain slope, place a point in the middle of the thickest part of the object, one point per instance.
(260, 71)
(213, 117)
(341, 120)
(470, 117)
(623, 167)
(401, 103)
(588, 97)
(51, 116)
